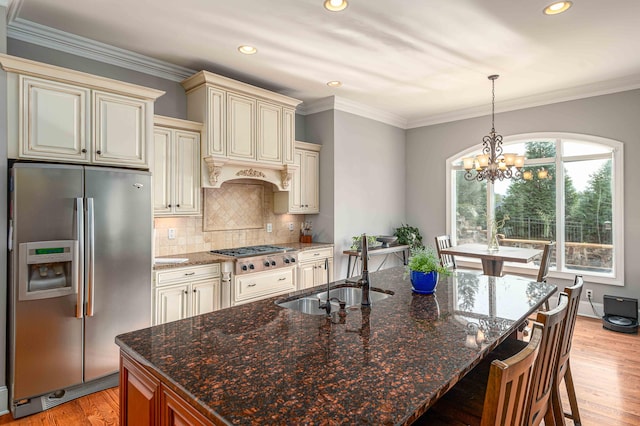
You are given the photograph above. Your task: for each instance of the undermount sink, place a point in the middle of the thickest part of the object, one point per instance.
(352, 296)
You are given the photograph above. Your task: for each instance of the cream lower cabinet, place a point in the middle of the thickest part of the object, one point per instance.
(176, 167)
(312, 267)
(184, 292)
(303, 196)
(259, 285)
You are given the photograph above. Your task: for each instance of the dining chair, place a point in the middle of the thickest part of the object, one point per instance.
(447, 260)
(543, 271)
(506, 395)
(563, 367)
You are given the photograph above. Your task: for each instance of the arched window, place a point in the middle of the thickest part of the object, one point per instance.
(570, 192)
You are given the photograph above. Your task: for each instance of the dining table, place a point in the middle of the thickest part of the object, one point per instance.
(493, 261)
(273, 362)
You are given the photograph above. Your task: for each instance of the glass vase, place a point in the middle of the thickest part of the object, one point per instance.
(492, 243)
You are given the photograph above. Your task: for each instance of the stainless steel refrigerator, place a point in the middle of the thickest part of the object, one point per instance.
(80, 273)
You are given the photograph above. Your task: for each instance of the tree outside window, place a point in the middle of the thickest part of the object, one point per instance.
(568, 197)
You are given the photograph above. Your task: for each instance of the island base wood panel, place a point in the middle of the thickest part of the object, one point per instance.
(603, 400)
(144, 400)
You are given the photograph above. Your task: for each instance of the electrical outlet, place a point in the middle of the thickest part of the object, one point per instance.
(269, 227)
(589, 293)
(290, 226)
(171, 234)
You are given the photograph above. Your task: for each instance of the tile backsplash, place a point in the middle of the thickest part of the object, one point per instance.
(190, 235)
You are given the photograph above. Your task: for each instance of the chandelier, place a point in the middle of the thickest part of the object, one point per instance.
(492, 164)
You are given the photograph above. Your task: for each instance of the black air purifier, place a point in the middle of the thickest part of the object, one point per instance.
(620, 314)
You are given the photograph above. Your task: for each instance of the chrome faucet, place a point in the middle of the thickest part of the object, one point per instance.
(363, 282)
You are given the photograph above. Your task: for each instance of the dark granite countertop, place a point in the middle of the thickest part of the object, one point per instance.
(205, 257)
(263, 364)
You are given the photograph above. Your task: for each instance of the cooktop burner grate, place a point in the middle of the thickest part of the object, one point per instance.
(252, 251)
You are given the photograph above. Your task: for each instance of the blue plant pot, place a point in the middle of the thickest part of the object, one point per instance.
(424, 283)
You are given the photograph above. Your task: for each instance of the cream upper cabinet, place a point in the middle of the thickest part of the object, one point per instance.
(120, 131)
(241, 115)
(269, 126)
(176, 167)
(288, 134)
(55, 120)
(57, 114)
(303, 196)
(247, 129)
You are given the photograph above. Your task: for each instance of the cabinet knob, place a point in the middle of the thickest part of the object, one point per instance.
(186, 292)
(83, 150)
(178, 205)
(169, 205)
(195, 291)
(99, 152)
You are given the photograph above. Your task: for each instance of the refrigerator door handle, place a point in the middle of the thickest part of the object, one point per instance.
(79, 266)
(90, 257)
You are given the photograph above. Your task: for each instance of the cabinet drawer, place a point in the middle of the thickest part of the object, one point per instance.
(313, 254)
(192, 273)
(261, 284)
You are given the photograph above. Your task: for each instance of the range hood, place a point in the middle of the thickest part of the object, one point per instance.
(216, 171)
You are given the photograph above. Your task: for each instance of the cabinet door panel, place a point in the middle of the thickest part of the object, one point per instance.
(54, 123)
(205, 296)
(177, 412)
(241, 112)
(269, 132)
(172, 303)
(119, 124)
(162, 190)
(216, 125)
(288, 134)
(187, 172)
(139, 395)
(306, 275)
(310, 182)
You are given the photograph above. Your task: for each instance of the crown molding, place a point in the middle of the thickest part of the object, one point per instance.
(352, 107)
(563, 95)
(52, 38)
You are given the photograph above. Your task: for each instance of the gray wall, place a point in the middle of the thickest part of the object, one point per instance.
(615, 116)
(362, 180)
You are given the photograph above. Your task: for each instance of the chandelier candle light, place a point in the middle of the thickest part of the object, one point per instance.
(492, 164)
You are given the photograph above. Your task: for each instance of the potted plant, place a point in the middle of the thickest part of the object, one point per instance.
(409, 235)
(424, 269)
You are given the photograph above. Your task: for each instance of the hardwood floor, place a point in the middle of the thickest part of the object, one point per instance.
(605, 366)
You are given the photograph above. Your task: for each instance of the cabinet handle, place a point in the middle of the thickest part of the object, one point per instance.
(189, 273)
(316, 254)
(251, 285)
(83, 150)
(99, 152)
(282, 279)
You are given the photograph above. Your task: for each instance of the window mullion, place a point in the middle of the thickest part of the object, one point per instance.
(560, 209)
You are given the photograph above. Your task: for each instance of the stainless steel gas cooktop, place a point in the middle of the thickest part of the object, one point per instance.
(260, 258)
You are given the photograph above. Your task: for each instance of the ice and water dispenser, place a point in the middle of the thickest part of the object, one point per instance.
(48, 269)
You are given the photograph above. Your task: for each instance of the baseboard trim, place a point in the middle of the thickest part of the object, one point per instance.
(4, 400)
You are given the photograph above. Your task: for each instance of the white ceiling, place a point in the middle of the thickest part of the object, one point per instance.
(419, 61)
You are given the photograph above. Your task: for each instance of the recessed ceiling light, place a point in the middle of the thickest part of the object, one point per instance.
(247, 50)
(557, 7)
(334, 83)
(335, 5)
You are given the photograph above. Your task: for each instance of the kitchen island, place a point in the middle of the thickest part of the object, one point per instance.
(260, 363)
